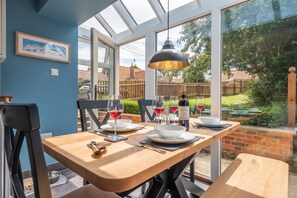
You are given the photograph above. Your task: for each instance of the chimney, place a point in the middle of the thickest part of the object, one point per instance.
(132, 72)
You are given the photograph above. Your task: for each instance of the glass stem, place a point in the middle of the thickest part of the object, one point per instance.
(115, 129)
(174, 118)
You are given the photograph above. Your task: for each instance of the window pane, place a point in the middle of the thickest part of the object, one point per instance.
(94, 23)
(84, 50)
(259, 45)
(101, 54)
(133, 53)
(173, 4)
(113, 19)
(288, 8)
(132, 69)
(193, 38)
(138, 8)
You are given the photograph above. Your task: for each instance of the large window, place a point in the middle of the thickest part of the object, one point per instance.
(192, 38)
(132, 69)
(259, 46)
(105, 69)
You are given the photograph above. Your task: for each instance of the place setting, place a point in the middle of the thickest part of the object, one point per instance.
(115, 108)
(123, 125)
(169, 137)
(210, 122)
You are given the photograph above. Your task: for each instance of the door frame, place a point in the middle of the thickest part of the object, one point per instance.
(97, 37)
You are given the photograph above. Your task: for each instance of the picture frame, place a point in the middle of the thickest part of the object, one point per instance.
(43, 48)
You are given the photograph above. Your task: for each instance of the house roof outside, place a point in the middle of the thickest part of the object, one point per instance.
(236, 75)
(126, 75)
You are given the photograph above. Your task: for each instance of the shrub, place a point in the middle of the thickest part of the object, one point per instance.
(272, 116)
(131, 107)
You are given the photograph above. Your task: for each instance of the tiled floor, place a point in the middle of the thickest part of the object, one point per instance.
(202, 164)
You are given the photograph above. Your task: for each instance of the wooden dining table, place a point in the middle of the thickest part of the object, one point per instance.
(124, 165)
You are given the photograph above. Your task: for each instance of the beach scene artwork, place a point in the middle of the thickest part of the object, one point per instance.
(49, 49)
(38, 47)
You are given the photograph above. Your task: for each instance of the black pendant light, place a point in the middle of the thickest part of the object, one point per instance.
(168, 58)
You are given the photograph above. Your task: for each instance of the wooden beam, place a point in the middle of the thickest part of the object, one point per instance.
(292, 97)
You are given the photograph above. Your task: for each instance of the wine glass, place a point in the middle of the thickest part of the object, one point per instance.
(157, 106)
(115, 108)
(199, 103)
(174, 106)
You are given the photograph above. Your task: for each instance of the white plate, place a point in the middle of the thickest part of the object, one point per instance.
(200, 123)
(130, 127)
(155, 137)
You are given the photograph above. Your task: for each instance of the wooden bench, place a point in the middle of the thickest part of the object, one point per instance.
(251, 176)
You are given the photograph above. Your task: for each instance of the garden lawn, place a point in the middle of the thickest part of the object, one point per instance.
(227, 101)
(239, 99)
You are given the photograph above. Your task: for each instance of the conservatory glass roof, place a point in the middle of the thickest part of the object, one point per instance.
(114, 20)
(137, 10)
(173, 4)
(129, 17)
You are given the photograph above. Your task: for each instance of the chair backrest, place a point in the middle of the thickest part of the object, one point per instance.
(144, 112)
(21, 121)
(90, 106)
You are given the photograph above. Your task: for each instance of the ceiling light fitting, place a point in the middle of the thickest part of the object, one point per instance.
(168, 58)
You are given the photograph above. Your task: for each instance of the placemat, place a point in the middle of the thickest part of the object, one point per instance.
(222, 127)
(169, 147)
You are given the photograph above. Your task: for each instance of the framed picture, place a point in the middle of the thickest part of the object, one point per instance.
(43, 48)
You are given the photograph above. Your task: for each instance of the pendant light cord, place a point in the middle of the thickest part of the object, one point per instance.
(167, 19)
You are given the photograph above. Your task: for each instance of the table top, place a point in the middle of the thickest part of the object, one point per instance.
(123, 165)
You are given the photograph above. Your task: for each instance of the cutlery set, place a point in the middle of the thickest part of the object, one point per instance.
(97, 147)
(151, 148)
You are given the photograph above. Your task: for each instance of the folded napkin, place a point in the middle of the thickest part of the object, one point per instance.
(169, 147)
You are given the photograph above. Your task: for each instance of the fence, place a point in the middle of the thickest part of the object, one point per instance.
(134, 89)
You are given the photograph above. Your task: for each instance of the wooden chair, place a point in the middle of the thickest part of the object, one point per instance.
(144, 112)
(90, 106)
(21, 121)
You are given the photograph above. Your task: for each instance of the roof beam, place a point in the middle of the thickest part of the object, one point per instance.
(157, 8)
(125, 15)
(85, 34)
(105, 24)
(178, 16)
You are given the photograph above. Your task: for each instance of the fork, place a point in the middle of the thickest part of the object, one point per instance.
(96, 151)
(151, 148)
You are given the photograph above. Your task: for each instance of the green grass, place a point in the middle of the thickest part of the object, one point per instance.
(234, 100)
(239, 99)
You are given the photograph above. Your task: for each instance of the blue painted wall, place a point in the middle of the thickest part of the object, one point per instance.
(28, 80)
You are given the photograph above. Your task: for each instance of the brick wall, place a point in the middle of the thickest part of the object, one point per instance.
(134, 118)
(268, 142)
(273, 143)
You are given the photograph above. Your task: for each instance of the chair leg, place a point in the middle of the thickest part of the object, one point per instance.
(143, 188)
(85, 182)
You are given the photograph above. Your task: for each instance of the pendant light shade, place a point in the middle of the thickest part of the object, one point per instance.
(168, 58)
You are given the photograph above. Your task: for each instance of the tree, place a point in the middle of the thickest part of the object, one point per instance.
(261, 44)
(196, 40)
(263, 48)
